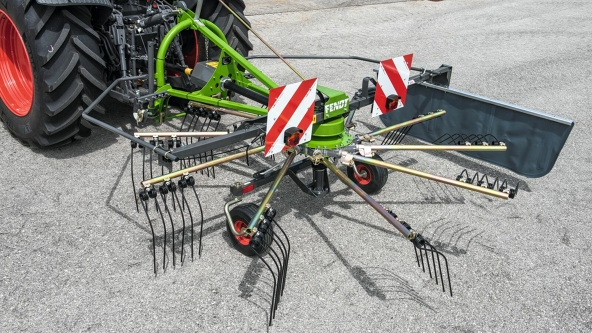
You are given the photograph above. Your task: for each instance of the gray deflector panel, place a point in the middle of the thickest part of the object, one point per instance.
(534, 139)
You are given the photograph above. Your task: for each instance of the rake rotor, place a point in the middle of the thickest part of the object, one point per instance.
(171, 162)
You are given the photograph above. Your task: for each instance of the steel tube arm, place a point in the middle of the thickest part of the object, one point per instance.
(408, 123)
(272, 190)
(484, 190)
(435, 147)
(381, 210)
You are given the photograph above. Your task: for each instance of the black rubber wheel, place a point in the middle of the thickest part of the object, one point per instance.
(60, 71)
(241, 216)
(236, 33)
(373, 178)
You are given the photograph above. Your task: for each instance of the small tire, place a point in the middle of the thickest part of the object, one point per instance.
(53, 54)
(241, 216)
(375, 177)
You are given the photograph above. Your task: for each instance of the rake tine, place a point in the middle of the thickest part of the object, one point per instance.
(434, 263)
(421, 256)
(439, 265)
(182, 218)
(287, 255)
(283, 252)
(279, 277)
(440, 254)
(183, 231)
(165, 233)
(183, 183)
(271, 309)
(163, 194)
(134, 145)
(151, 159)
(428, 261)
(143, 162)
(416, 256)
(144, 199)
(201, 225)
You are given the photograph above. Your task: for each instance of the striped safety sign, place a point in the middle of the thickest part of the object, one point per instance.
(291, 106)
(391, 87)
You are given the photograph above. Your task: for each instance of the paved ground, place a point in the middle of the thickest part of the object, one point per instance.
(75, 256)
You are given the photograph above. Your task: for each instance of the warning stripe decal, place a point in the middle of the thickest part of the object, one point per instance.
(393, 78)
(291, 106)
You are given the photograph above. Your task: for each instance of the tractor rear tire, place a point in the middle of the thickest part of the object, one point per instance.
(51, 68)
(237, 34)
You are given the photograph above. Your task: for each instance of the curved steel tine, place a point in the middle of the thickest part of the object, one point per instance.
(151, 159)
(186, 204)
(143, 163)
(416, 256)
(145, 206)
(165, 233)
(269, 251)
(271, 309)
(421, 256)
(427, 261)
(183, 219)
(201, 225)
(166, 209)
(284, 256)
(287, 254)
(133, 181)
(440, 254)
(433, 261)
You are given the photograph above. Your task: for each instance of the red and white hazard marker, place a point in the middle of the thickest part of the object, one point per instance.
(391, 87)
(290, 106)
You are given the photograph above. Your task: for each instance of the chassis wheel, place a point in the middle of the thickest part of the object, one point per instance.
(371, 179)
(241, 216)
(51, 68)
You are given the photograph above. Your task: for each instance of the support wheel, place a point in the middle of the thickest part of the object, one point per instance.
(371, 179)
(241, 216)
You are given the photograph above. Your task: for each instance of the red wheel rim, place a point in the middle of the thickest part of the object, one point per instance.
(238, 226)
(16, 73)
(363, 180)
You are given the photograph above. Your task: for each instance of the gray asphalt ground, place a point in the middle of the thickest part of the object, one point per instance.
(75, 255)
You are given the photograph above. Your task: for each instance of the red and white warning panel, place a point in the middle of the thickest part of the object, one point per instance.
(290, 115)
(391, 87)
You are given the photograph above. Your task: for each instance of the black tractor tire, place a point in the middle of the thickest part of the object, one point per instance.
(237, 34)
(67, 71)
(241, 216)
(375, 178)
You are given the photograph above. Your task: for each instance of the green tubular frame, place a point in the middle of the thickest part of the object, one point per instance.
(210, 31)
(329, 133)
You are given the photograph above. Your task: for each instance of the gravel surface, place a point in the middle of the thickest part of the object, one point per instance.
(76, 256)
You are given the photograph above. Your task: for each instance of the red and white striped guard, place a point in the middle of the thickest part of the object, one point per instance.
(290, 106)
(393, 79)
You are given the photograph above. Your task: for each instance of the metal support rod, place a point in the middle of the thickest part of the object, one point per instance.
(223, 110)
(262, 40)
(383, 212)
(272, 189)
(142, 143)
(435, 147)
(202, 166)
(248, 93)
(444, 180)
(314, 57)
(417, 120)
(229, 218)
(178, 134)
(151, 71)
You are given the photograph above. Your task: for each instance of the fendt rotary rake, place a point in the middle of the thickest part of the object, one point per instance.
(152, 64)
